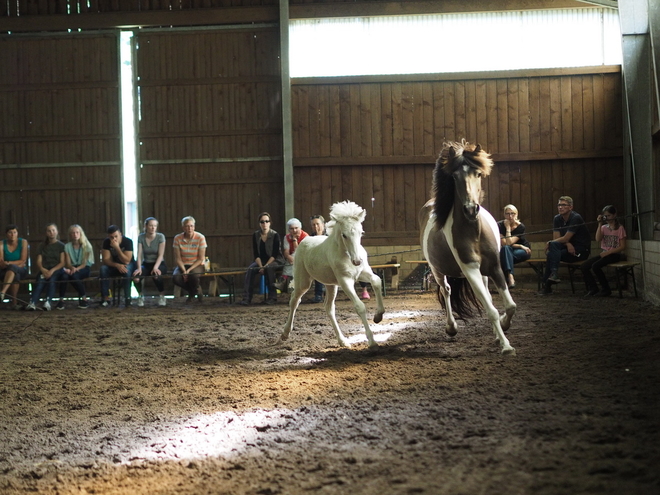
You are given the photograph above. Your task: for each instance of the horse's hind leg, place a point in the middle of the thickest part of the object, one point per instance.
(330, 295)
(509, 308)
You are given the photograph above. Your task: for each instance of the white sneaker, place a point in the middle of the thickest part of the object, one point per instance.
(162, 301)
(30, 307)
(47, 306)
(140, 301)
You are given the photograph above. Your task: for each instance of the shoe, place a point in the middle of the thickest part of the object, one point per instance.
(140, 302)
(317, 299)
(60, 305)
(127, 302)
(105, 303)
(161, 301)
(271, 301)
(510, 281)
(604, 293)
(365, 294)
(46, 306)
(244, 302)
(553, 278)
(30, 307)
(82, 304)
(591, 293)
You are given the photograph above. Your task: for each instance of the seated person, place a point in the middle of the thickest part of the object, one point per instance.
(318, 228)
(571, 242)
(612, 237)
(13, 263)
(118, 261)
(50, 262)
(515, 247)
(267, 258)
(79, 260)
(150, 262)
(290, 244)
(189, 256)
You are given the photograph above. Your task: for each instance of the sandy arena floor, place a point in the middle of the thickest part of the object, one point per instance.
(197, 399)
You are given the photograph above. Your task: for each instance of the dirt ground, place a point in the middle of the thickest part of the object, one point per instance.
(200, 398)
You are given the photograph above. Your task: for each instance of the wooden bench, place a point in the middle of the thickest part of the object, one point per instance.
(538, 265)
(393, 268)
(624, 268)
(425, 282)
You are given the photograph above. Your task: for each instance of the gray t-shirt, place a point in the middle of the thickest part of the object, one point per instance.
(150, 252)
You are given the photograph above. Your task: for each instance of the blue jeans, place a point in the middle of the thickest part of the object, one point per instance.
(75, 280)
(51, 283)
(509, 256)
(557, 252)
(108, 272)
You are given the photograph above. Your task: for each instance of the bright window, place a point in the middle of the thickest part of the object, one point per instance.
(454, 42)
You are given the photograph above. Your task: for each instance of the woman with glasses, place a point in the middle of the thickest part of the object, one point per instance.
(515, 247)
(266, 248)
(612, 237)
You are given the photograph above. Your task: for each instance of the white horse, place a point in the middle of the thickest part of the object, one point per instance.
(338, 259)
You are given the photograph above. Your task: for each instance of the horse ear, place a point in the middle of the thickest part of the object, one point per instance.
(362, 215)
(452, 152)
(477, 149)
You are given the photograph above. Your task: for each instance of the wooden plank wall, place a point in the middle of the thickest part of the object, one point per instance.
(549, 134)
(60, 134)
(211, 135)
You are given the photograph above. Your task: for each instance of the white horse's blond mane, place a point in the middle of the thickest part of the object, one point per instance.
(345, 211)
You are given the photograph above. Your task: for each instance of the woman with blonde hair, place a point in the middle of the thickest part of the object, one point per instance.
(514, 247)
(79, 256)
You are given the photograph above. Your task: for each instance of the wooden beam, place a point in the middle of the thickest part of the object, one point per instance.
(127, 20)
(353, 161)
(459, 76)
(416, 7)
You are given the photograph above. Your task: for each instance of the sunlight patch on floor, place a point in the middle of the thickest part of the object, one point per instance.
(223, 434)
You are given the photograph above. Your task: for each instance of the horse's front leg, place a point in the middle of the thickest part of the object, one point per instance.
(299, 290)
(330, 295)
(451, 327)
(377, 285)
(348, 285)
(476, 281)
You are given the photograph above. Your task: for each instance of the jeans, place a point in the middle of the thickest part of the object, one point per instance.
(147, 268)
(252, 271)
(108, 272)
(509, 256)
(75, 280)
(557, 252)
(50, 283)
(596, 264)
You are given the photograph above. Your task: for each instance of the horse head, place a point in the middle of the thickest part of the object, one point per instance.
(466, 164)
(346, 226)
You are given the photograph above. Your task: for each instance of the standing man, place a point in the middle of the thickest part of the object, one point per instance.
(118, 261)
(570, 242)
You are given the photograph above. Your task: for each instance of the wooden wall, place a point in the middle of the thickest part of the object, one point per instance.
(211, 134)
(60, 134)
(550, 132)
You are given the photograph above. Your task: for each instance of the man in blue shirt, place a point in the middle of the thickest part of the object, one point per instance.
(570, 242)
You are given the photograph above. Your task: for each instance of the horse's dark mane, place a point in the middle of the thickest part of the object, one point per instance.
(453, 156)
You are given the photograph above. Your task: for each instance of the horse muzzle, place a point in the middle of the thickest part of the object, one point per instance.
(471, 211)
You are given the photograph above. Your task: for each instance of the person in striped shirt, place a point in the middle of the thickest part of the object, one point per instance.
(189, 256)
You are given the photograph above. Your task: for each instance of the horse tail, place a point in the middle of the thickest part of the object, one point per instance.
(463, 300)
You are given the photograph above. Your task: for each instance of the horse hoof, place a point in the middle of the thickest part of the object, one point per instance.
(283, 338)
(378, 317)
(508, 351)
(451, 331)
